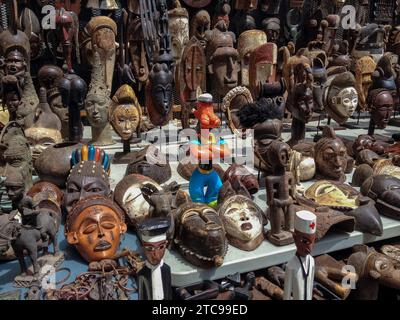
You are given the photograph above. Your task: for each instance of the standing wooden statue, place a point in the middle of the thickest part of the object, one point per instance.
(280, 187)
(154, 279)
(299, 275)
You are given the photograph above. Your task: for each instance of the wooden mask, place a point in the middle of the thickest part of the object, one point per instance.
(365, 67)
(94, 226)
(248, 41)
(125, 113)
(159, 94)
(242, 220)
(263, 61)
(200, 235)
(179, 30)
(330, 156)
(102, 32)
(192, 75)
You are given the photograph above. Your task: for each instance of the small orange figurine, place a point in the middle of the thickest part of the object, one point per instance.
(205, 112)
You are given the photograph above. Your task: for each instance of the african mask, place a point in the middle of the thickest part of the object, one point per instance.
(340, 97)
(41, 138)
(15, 187)
(247, 42)
(86, 178)
(192, 71)
(200, 235)
(18, 157)
(128, 195)
(381, 104)
(385, 191)
(11, 95)
(15, 48)
(384, 77)
(332, 194)
(272, 27)
(65, 37)
(179, 30)
(94, 226)
(233, 101)
(97, 104)
(150, 162)
(320, 77)
(223, 63)
(262, 66)
(159, 94)
(102, 31)
(330, 156)
(365, 66)
(201, 24)
(73, 91)
(242, 220)
(125, 113)
(49, 77)
(14, 64)
(370, 41)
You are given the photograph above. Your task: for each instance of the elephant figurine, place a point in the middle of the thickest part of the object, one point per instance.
(373, 268)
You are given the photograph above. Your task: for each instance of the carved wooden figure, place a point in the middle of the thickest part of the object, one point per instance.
(192, 77)
(97, 104)
(280, 187)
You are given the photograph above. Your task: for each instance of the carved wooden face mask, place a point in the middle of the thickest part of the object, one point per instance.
(128, 195)
(262, 67)
(94, 226)
(381, 102)
(159, 98)
(125, 112)
(200, 236)
(334, 195)
(192, 70)
(179, 30)
(86, 178)
(242, 220)
(341, 97)
(15, 63)
(365, 67)
(41, 138)
(223, 65)
(150, 162)
(102, 31)
(247, 42)
(385, 191)
(330, 156)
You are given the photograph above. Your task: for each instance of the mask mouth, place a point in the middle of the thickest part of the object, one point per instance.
(246, 226)
(102, 246)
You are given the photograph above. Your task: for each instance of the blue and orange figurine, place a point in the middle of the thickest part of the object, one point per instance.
(205, 150)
